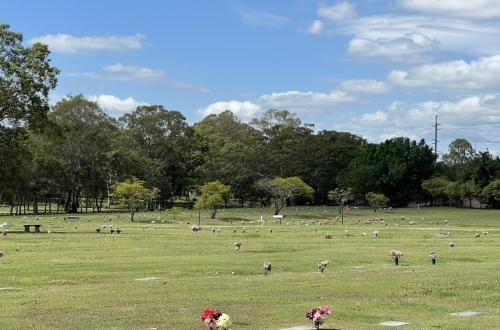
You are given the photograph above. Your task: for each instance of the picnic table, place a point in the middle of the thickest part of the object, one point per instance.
(27, 228)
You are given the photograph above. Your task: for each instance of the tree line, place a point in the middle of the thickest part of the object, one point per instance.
(73, 155)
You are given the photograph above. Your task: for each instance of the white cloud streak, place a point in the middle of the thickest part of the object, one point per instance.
(192, 86)
(483, 73)
(294, 101)
(341, 11)
(65, 43)
(262, 18)
(458, 8)
(127, 72)
(364, 86)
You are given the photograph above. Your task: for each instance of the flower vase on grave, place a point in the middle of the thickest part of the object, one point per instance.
(396, 261)
(433, 261)
(316, 325)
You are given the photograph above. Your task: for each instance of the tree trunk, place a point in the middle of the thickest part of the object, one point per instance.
(35, 204)
(214, 212)
(132, 212)
(278, 205)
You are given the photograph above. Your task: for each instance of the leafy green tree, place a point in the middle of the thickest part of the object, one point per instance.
(284, 147)
(459, 152)
(492, 192)
(377, 200)
(163, 138)
(79, 147)
(340, 196)
(437, 188)
(396, 168)
(176, 211)
(213, 195)
(469, 190)
(324, 156)
(453, 191)
(133, 193)
(26, 78)
(282, 190)
(227, 150)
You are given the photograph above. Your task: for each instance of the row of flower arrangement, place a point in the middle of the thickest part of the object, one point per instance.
(214, 319)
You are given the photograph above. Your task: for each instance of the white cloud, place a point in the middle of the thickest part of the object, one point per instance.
(316, 27)
(127, 72)
(410, 47)
(195, 87)
(418, 37)
(245, 109)
(368, 86)
(294, 101)
(65, 43)
(471, 117)
(375, 118)
(262, 18)
(459, 8)
(305, 101)
(483, 73)
(340, 11)
(115, 105)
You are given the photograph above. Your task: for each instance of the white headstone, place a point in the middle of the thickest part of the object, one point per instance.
(394, 323)
(467, 314)
(147, 279)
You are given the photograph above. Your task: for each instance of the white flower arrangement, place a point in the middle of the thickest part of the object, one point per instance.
(237, 246)
(322, 266)
(267, 267)
(433, 255)
(376, 233)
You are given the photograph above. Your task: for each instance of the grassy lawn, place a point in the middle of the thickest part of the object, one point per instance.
(74, 278)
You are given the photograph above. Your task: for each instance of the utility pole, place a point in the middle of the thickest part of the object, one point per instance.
(436, 125)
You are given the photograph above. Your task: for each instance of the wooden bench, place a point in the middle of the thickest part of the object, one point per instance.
(72, 217)
(27, 228)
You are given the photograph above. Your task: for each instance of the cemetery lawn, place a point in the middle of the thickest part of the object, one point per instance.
(74, 278)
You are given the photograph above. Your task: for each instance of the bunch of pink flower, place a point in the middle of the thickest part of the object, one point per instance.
(395, 253)
(317, 315)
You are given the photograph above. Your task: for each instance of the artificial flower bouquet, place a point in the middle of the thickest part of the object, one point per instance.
(395, 254)
(317, 315)
(215, 319)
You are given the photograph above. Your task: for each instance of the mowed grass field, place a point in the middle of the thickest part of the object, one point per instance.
(74, 278)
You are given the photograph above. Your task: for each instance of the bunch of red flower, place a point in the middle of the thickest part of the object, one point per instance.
(316, 315)
(210, 317)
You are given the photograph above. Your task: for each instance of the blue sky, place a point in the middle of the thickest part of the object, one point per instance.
(375, 68)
